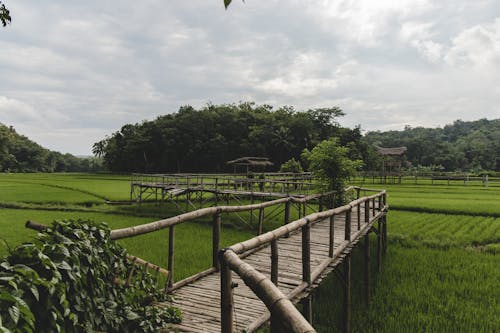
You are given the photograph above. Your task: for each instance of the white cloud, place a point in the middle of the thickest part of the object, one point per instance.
(476, 46)
(366, 21)
(79, 70)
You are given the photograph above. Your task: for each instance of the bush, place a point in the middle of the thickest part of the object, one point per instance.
(291, 165)
(330, 164)
(71, 280)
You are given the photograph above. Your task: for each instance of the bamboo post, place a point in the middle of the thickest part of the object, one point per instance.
(332, 236)
(216, 223)
(170, 266)
(226, 297)
(251, 210)
(347, 293)
(358, 213)
(307, 308)
(357, 192)
(287, 212)
(320, 204)
(379, 246)
(367, 211)
(306, 253)
(261, 220)
(373, 206)
(274, 262)
(367, 268)
(348, 224)
(384, 232)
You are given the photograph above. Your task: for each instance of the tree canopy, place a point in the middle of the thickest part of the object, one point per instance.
(204, 140)
(20, 154)
(461, 146)
(330, 163)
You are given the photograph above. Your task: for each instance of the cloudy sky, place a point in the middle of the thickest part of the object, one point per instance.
(73, 71)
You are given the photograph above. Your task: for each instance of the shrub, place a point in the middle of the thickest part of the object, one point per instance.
(330, 164)
(292, 165)
(72, 280)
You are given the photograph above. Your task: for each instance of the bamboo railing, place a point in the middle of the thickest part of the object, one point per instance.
(215, 214)
(281, 308)
(286, 183)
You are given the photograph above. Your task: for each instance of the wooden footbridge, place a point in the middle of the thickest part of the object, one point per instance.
(260, 279)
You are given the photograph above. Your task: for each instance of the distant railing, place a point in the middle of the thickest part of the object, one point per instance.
(427, 178)
(286, 183)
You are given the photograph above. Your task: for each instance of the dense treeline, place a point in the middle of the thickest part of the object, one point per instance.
(204, 140)
(461, 146)
(20, 154)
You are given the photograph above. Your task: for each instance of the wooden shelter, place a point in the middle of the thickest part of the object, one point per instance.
(392, 159)
(251, 162)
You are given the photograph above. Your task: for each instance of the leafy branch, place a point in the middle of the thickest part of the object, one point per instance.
(68, 281)
(4, 15)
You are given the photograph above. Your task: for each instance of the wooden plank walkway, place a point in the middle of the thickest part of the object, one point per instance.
(200, 300)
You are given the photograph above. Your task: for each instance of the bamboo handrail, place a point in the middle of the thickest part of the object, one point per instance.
(266, 289)
(277, 303)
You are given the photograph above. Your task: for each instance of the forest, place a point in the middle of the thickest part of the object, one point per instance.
(462, 146)
(204, 140)
(20, 154)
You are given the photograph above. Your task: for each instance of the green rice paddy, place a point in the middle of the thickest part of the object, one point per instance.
(440, 273)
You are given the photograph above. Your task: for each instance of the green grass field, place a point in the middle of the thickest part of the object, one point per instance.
(440, 273)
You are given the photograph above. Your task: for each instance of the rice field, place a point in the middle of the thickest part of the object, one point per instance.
(440, 273)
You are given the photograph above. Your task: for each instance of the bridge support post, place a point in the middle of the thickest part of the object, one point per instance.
(287, 212)
(367, 268)
(170, 267)
(261, 220)
(226, 297)
(331, 240)
(384, 233)
(379, 246)
(307, 308)
(306, 270)
(216, 222)
(347, 293)
(306, 253)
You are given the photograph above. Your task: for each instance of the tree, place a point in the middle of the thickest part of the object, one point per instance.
(4, 15)
(330, 164)
(292, 165)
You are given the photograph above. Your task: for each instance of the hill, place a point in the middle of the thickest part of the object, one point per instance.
(461, 146)
(20, 154)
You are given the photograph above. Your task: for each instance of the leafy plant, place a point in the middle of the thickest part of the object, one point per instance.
(292, 165)
(75, 279)
(330, 163)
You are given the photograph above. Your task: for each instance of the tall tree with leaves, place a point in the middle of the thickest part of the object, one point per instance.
(330, 164)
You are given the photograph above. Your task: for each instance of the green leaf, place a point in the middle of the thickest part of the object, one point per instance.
(34, 291)
(227, 3)
(14, 314)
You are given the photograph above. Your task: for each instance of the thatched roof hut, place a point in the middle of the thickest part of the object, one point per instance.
(251, 162)
(394, 151)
